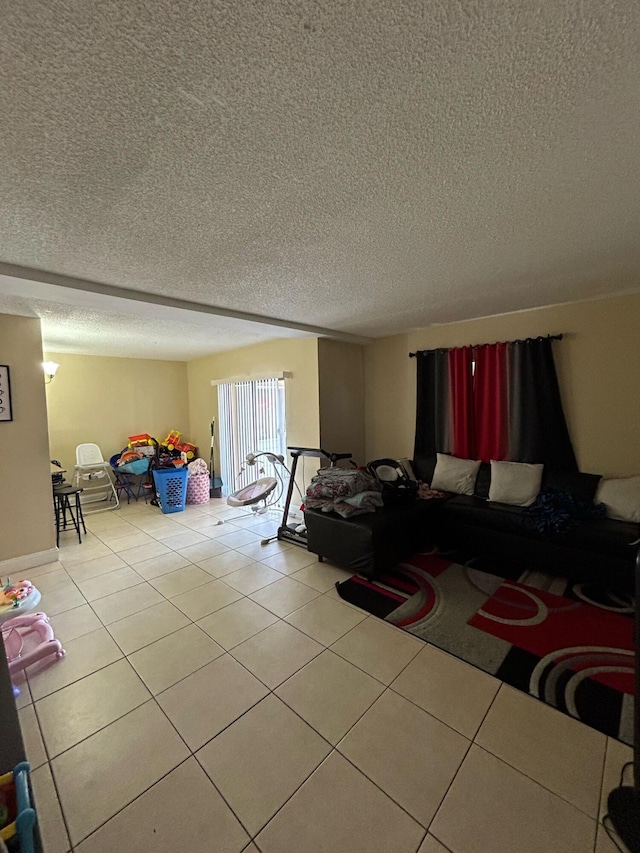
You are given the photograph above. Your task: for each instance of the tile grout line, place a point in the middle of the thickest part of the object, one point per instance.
(537, 783)
(604, 767)
(191, 752)
(152, 698)
(526, 775)
(333, 748)
(137, 797)
(107, 626)
(253, 836)
(126, 656)
(53, 778)
(504, 761)
(388, 687)
(271, 692)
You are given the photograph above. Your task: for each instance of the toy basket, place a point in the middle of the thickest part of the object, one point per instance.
(198, 489)
(171, 488)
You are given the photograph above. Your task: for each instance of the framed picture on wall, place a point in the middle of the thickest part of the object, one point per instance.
(6, 413)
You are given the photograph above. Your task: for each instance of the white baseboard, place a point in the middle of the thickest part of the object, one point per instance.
(28, 561)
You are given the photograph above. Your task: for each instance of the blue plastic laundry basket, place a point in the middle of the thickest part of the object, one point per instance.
(171, 488)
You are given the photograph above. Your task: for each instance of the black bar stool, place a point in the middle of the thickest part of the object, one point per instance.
(63, 505)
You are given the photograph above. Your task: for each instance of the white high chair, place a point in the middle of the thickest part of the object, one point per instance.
(93, 475)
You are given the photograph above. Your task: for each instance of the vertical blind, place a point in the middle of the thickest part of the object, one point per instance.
(252, 419)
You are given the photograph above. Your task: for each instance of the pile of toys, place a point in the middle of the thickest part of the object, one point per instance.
(174, 442)
(174, 450)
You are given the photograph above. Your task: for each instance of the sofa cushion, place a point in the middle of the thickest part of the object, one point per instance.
(581, 486)
(423, 467)
(515, 483)
(453, 474)
(621, 498)
(476, 512)
(483, 481)
(602, 536)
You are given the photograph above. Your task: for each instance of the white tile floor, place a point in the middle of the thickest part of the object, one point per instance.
(217, 695)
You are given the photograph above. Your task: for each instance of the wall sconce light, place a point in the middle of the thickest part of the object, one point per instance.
(50, 368)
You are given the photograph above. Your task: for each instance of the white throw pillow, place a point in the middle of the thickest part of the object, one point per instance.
(621, 498)
(453, 474)
(515, 483)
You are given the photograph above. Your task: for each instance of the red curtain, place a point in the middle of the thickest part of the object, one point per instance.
(491, 401)
(461, 403)
(497, 401)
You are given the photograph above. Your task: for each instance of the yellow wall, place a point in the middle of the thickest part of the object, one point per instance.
(341, 387)
(26, 509)
(105, 400)
(298, 356)
(598, 364)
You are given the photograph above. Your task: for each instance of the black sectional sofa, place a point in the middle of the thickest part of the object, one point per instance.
(588, 549)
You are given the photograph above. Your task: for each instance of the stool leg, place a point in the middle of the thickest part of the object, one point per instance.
(67, 506)
(79, 515)
(56, 508)
(64, 505)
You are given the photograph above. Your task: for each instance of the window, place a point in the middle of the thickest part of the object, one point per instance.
(251, 418)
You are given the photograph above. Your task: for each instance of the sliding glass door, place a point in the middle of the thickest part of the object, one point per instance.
(251, 416)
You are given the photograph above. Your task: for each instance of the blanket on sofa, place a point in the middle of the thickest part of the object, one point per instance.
(554, 511)
(345, 491)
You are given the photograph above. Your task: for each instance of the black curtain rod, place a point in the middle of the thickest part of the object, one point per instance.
(520, 341)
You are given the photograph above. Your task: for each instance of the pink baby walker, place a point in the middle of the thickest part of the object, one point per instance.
(16, 630)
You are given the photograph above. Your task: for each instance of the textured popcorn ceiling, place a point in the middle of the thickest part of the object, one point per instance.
(357, 165)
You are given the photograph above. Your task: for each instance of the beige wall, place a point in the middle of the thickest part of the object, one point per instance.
(298, 356)
(341, 388)
(26, 510)
(105, 400)
(598, 365)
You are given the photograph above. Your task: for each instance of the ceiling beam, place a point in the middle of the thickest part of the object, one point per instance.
(87, 286)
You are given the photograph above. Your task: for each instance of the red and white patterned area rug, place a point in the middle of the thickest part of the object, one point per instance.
(569, 645)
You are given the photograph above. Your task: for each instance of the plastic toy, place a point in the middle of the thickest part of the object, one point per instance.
(143, 438)
(15, 593)
(143, 443)
(187, 448)
(11, 605)
(17, 816)
(173, 439)
(128, 456)
(14, 632)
